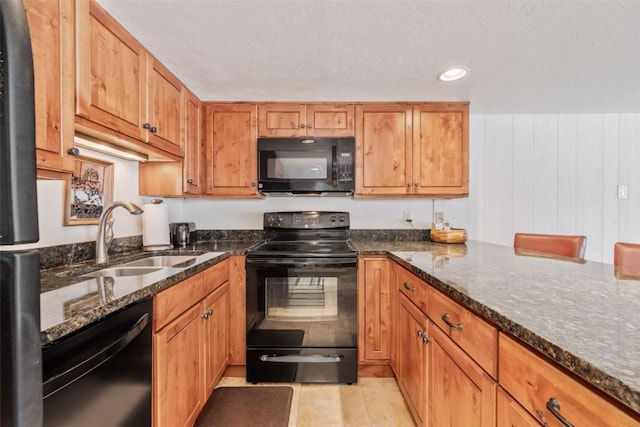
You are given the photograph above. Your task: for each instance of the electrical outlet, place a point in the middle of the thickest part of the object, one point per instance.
(407, 216)
(622, 192)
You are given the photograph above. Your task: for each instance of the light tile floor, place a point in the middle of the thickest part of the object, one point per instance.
(372, 402)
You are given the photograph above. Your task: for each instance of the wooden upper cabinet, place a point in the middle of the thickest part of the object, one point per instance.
(383, 149)
(231, 149)
(51, 30)
(123, 93)
(290, 120)
(165, 108)
(193, 167)
(441, 149)
(110, 73)
(416, 150)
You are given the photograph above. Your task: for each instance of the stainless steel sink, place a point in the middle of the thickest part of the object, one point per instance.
(162, 261)
(122, 271)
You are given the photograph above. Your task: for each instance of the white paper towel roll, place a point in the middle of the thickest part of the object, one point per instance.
(155, 225)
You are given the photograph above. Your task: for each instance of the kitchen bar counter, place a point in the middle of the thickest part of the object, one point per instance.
(579, 315)
(69, 302)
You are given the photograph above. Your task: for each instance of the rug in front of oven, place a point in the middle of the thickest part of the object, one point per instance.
(264, 406)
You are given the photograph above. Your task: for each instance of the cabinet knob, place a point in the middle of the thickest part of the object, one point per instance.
(253, 184)
(73, 151)
(417, 184)
(409, 185)
(426, 339)
(408, 287)
(205, 315)
(189, 181)
(302, 125)
(420, 333)
(309, 125)
(152, 129)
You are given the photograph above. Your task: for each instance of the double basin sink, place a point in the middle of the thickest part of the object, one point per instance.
(143, 266)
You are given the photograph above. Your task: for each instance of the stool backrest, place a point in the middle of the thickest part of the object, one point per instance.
(562, 245)
(626, 259)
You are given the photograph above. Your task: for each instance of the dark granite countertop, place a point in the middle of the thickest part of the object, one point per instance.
(579, 315)
(69, 302)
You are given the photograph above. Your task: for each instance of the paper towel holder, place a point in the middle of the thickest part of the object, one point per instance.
(151, 248)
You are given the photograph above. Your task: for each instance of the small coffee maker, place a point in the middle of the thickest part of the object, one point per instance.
(181, 233)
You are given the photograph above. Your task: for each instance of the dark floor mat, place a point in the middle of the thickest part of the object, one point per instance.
(266, 406)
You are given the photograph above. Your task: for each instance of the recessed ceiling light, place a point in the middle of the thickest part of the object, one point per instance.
(452, 74)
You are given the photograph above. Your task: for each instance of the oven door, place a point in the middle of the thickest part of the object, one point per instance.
(302, 320)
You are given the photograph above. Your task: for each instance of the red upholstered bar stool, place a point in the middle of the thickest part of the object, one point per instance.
(552, 244)
(626, 260)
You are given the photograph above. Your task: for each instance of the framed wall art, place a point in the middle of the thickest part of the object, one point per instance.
(89, 191)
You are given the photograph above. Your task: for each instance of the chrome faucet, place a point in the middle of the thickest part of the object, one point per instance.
(105, 228)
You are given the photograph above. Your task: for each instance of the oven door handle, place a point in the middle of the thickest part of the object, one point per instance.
(302, 358)
(303, 262)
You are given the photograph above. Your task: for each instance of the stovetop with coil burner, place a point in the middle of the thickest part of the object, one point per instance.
(308, 234)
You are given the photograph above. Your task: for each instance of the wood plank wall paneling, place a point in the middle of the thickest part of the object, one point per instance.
(630, 175)
(552, 174)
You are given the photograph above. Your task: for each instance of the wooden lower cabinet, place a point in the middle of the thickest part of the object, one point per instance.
(376, 315)
(216, 333)
(411, 373)
(190, 348)
(460, 392)
(534, 382)
(510, 413)
(178, 358)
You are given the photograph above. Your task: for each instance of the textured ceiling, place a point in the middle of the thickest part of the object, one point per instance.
(523, 56)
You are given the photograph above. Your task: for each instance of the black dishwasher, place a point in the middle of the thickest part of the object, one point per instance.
(101, 375)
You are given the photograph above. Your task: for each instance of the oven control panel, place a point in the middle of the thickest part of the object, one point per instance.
(306, 220)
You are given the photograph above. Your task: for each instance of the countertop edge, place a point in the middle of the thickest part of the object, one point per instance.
(611, 386)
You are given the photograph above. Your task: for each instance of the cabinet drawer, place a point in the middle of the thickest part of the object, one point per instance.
(511, 413)
(534, 381)
(170, 303)
(476, 337)
(414, 288)
(215, 276)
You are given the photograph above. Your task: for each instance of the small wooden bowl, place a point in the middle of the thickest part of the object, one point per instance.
(455, 235)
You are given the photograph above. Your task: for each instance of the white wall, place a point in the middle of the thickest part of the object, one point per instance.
(52, 202)
(529, 173)
(553, 174)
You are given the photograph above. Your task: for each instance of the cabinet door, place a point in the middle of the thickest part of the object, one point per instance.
(178, 356)
(412, 358)
(329, 120)
(51, 30)
(282, 120)
(460, 392)
(237, 316)
(441, 149)
(110, 73)
(376, 290)
(231, 150)
(165, 108)
(511, 414)
(194, 151)
(216, 337)
(383, 149)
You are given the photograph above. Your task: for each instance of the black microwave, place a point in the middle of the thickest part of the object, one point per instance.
(306, 166)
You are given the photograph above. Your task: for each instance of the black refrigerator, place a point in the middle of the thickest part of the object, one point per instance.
(20, 349)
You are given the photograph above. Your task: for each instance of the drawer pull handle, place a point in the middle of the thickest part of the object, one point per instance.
(408, 287)
(541, 418)
(445, 319)
(554, 407)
